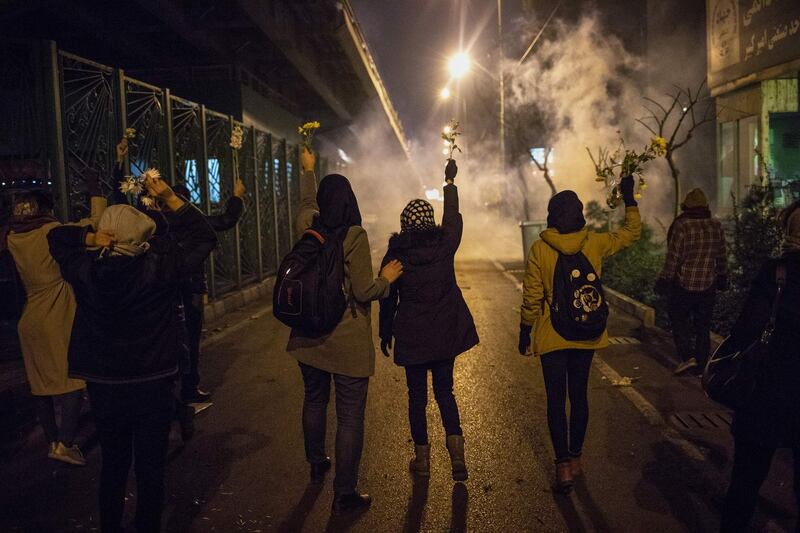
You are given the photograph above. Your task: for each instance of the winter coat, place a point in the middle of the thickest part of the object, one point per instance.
(349, 349)
(538, 282)
(127, 327)
(772, 418)
(46, 322)
(425, 311)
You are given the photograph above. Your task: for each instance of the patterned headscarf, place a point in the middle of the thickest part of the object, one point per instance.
(417, 216)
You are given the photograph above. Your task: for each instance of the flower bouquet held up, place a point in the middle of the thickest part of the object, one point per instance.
(449, 134)
(307, 131)
(610, 167)
(134, 187)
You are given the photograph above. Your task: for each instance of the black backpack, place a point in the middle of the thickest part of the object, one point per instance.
(579, 311)
(309, 287)
(13, 301)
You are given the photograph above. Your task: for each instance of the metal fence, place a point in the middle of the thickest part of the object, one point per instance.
(72, 112)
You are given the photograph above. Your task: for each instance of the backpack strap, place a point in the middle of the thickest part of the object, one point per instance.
(314, 233)
(780, 281)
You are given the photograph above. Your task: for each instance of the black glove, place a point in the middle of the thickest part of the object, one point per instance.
(450, 170)
(722, 283)
(663, 287)
(626, 189)
(524, 338)
(386, 345)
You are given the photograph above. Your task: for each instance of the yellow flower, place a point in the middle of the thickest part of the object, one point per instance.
(659, 145)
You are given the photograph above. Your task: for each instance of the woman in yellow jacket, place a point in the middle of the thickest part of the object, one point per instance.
(566, 363)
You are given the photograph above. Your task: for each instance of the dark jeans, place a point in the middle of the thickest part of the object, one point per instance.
(193, 310)
(133, 423)
(351, 401)
(71, 403)
(417, 380)
(690, 314)
(751, 465)
(567, 371)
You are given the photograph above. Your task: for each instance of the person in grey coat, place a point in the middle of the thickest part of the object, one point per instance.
(347, 354)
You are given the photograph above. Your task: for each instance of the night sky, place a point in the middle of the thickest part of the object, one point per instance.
(412, 39)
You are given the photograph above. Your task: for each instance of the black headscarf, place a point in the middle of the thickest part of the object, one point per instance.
(338, 207)
(565, 212)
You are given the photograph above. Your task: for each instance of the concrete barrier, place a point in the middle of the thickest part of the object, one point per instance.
(261, 290)
(645, 313)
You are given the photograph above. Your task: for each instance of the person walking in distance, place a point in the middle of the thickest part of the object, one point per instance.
(124, 340)
(429, 320)
(564, 307)
(696, 267)
(346, 355)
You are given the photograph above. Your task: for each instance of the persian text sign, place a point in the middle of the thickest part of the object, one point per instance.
(748, 36)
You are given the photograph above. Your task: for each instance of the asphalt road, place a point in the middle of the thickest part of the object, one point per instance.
(245, 469)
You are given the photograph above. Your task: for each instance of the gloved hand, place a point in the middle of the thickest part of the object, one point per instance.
(386, 345)
(524, 338)
(722, 283)
(663, 287)
(450, 171)
(626, 189)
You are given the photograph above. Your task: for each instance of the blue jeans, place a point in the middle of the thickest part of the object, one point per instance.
(351, 402)
(417, 381)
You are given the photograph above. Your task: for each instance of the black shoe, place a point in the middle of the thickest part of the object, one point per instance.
(186, 421)
(318, 471)
(350, 503)
(196, 396)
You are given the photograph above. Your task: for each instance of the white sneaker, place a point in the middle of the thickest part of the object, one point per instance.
(685, 366)
(71, 455)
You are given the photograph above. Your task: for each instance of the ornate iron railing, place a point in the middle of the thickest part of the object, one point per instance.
(67, 129)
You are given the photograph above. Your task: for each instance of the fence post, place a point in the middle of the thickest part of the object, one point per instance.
(237, 233)
(57, 167)
(171, 174)
(271, 167)
(257, 201)
(286, 152)
(204, 189)
(122, 110)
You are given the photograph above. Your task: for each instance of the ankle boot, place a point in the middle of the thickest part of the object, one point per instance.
(564, 479)
(455, 447)
(575, 466)
(421, 464)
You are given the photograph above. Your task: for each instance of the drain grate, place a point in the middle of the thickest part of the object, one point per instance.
(623, 340)
(701, 420)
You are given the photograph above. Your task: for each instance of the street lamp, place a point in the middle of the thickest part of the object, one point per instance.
(458, 65)
(444, 94)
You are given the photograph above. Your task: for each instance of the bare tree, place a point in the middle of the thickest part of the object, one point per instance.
(544, 168)
(676, 121)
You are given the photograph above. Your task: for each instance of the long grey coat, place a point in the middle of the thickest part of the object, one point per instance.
(349, 349)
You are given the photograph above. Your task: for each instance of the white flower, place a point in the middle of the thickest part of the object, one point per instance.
(150, 174)
(148, 202)
(131, 185)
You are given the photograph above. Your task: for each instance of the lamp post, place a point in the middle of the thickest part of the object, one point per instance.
(502, 87)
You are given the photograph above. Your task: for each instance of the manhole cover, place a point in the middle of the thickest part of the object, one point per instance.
(701, 420)
(623, 340)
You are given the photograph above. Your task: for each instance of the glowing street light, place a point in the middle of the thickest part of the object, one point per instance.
(458, 65)
(444, 94)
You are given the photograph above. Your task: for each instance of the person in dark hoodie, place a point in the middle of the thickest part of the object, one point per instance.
(429, 320)
(195, 288)
(123, 340)
(566, 363)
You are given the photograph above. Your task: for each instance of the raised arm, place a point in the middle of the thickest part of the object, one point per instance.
(230, 217)
(308, 208)
(452, 223)
(630, 232)
(68, 248)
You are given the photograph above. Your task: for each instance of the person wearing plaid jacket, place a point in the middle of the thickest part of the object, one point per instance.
(695, 268)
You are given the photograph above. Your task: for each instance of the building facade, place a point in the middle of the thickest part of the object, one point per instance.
(753, 65)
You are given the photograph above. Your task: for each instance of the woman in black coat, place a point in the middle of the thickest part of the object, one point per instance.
(771, 418)
(429, 319)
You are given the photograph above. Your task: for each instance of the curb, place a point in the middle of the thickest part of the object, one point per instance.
(643, 312)
(257, 291)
